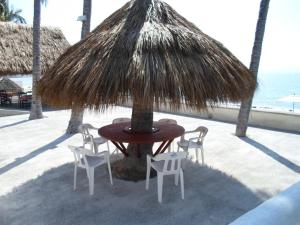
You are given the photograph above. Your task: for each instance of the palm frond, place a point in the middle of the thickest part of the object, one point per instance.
(16, 48)
(7, 14)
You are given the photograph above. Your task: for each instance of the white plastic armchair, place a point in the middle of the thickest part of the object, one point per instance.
(166, 164)
(169, 121)
(88, 160)
(89, 139)
(195, 142)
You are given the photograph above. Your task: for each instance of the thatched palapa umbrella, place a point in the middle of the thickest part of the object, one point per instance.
(9, 85)
(147, 52)
(16, 48)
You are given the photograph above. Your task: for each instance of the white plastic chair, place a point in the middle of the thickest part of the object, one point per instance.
(194, 142)
(166, 164)
(88, 138)
(86, 159)
(169, 121)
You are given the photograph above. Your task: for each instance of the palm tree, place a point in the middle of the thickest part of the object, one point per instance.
(246, 105)
(77, 112)
(7, 14)
(36, 104)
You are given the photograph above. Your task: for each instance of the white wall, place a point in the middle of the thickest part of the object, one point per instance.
(262, 118)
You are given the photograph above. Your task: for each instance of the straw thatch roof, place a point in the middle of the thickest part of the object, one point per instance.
(16, 48)
(9, 85)
(148, 52)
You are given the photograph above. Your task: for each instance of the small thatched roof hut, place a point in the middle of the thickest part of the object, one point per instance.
(16, 48)
(148, 52)
(8, 85)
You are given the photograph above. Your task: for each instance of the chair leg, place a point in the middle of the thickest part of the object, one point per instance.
(91, 181)
(160, 180)
(202, 155)
(197, 155)
(75, 177)
(182, 184)
(108, 147)
(109, 171)
(92, 147)
(176, 179)
(147, 176)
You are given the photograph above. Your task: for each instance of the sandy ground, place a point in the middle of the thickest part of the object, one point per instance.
(36, 175)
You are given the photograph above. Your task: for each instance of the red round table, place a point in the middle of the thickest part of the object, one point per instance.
(117, 135)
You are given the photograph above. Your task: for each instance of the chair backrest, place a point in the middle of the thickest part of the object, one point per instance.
(84, 130)
(86, 136)
(170, 121)
(121, 120)
(172, 161)
(202, 133)
(78, 156)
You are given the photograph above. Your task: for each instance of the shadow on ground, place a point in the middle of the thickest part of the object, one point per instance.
(14, 124)
(271, 153)
(18, 161)
(211, 198)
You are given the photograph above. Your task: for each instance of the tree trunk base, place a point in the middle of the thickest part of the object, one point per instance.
(75, 120)
(130, 170)
(36, 111)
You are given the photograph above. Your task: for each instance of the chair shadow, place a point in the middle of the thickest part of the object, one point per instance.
(211, 197)
(14, 124)
(18, 161)
(272, 154)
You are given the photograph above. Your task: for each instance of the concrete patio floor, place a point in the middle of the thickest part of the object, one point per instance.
(36, 175)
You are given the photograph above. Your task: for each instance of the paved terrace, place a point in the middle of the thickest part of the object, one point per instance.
(36, 175)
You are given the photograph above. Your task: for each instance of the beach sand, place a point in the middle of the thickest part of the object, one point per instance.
(36, 174)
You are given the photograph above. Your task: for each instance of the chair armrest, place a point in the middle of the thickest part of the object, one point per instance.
(190, 131)
(150, 158)
(81, 150)
(93, 128)
(187, 132)
(85, 151)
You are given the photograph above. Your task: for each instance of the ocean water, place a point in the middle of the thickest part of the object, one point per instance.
(271, 88)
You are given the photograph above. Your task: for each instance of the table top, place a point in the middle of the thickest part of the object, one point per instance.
(115, 132)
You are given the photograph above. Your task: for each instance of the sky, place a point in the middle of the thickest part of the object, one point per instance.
(231, 22)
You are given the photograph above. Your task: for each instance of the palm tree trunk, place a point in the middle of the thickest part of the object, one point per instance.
(133, 167)
(75, 120)
(246, 105)
(77, 113)
(36, 104)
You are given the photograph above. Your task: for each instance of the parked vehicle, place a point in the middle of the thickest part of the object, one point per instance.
(5, 98)
(25, 98)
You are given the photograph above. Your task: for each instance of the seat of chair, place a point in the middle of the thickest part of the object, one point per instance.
(159, 165)
(97, 140)
(185, 144)
(94, 161)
